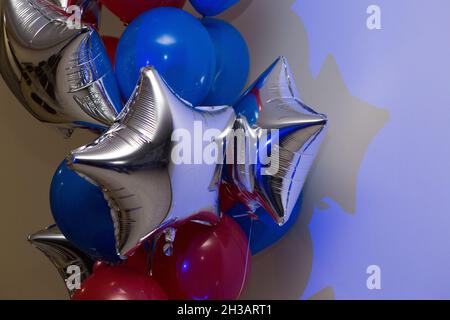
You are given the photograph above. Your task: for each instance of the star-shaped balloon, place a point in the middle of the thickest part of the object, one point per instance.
(159, 163)
(68, 260)
(59, 71)
(282, 135)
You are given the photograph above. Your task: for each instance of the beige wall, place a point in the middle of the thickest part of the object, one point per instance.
(31, 152)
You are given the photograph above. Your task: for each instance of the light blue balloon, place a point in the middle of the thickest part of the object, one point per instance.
(82, 214)
(232, 63)
(209, 8)
(176, 44)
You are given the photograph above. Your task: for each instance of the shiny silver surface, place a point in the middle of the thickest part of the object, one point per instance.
(296, 142)
(61, 253)
(132, 162)
(60, 75)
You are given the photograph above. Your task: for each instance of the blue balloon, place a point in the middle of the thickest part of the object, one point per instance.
(248, 105)
(176, 44)
(82, 214)
(232, 63)
(209, 8)
(264, 232)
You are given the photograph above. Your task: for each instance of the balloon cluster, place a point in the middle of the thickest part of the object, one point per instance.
(138, 214)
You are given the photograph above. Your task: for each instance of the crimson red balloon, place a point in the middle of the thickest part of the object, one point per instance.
(140, 259)
(119, 283)
(111, 46)
(130, 9)
(208, 263)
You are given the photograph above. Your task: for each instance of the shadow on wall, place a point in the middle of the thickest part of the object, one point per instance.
(272, 28)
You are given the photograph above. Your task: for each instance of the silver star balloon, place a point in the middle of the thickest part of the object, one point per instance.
(68, 260)
(62, 75)
(282, 138)
(149, 163)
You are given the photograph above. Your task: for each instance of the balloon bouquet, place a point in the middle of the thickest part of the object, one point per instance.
(135, 218)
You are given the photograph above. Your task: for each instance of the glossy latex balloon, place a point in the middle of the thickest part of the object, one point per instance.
(138, 163)
(61, 75)
(82, 214)
(232, 63)
(63, 254)
(261, 230)
(212, 7)
(176, 44)
(208, 263)
(111, 44)
(119, 283)
(283, 136)
(128, 10)
(140, 259)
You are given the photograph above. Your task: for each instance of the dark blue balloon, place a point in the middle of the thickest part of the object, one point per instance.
(232, 63)
(264, 232)
(209, 8)
(82, 214)
(176, 44)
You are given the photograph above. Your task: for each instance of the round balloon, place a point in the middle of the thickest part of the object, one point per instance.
(119, 283)
(139, 260)
(263, 232)
(208, 263)
(176, 44)
(128, 10)
(232, 63)
(82, 214)
(212, 8)
(111, 46)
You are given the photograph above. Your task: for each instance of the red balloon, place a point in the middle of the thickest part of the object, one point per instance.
(207, 262)
(127, 10)
(119, 283)
(111, 46)
(98, 265)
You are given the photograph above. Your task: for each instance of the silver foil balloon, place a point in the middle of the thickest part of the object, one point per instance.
(282, 137)
(63, 255)
(137, 162)
(62, 75)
